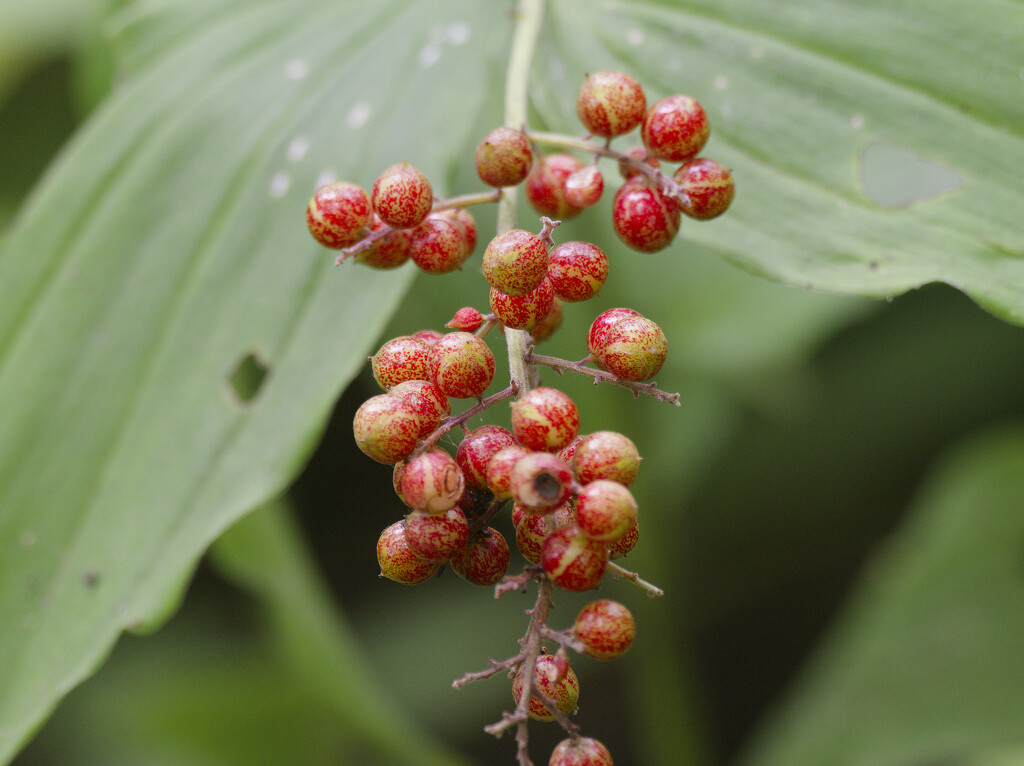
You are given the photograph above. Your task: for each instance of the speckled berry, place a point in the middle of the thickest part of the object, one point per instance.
(572, 560)
(638, 154)
(485, 560)
(387, 428)
(624, 544)
(436, 537)
(437, 247)
(584, 187)
(582, 751)
(523, 312)
(467, 319)
(499, 470)
(398, 562)
(432, 482)
(568, 452)
(388, 252)
(461, 365)
(644, 218)
(515, 262)
(610, 103)
(476, 450)
(503, 158)
(603, 324)
(606, 455)
(531, 532)
(464, 225)
(577, 270)
(402, 196)
(709, 186)
(633, 349)
(675, 128)
(338, 214)
(430, 404)
(540, 482)
(430, 337)
(562, 688)
(545, 419)
(605, 510)
(545, 186)
(545, 327)
(606, 629)
(400, 359)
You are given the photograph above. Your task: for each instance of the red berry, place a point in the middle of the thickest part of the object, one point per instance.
(644, 218)
(503, 158)
(545, 186)
(606, 628)
(572, 560)
(624, 544)
(709, 186)
(568, 452)
(436, 537)
(606, 455)
(639, 154)
(461, 365)
(582, 751)
(540, 482)
(467, 319)
(531, 533)
(400, 359)
(485, 560)
(398, 562)
(675, 128)
(432, 482)
(610, 103)
(515, 262)
(430, 337)
(605, 510)
(428, 401)
(523, 312)
(499, 470)
(545, 419)
(603, 323)
(402, 196)
(577, 270)
(388, 252)
(548, 324)
(476, 450)
(464, 225)
(561, 688)
(337, 214)
(387, 428)
(437, 246)
(584, 187)
(633, 349)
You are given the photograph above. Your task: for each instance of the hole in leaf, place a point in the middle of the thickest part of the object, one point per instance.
(896, 177)
(247, 379)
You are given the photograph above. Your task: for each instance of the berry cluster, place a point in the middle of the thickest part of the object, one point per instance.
(571, 506)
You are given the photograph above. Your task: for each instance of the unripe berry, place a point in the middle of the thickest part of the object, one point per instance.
(638, 153)
(503, 158)
(545, 419)
(568, 452)
(485, 560)
(610, 103)
(606, 628)
(436, 537)
(430, 404)
(531, 532)
(432, 482)
(515, 262)
(548, 324)
(337, 214)
(388, 252)
(402, 196)
(562, 689)
(464, 225)
(499, 470)
(437, 246)
(461, 365)
(400, 359)
(605, 510)
(545, 186)
(675, 128)
(397, 562)
(572, 560)
(624, 544)
(577, 270)
(606, 455)
(584, 187)
(644, 218)
(387, 428)
(540, 482)
(523, 312)
(467, 319)
(476, 450)
(582, 751)
(634, 349)
(709, 186)
(603, 324)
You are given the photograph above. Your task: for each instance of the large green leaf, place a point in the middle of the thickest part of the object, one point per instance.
(924, 665)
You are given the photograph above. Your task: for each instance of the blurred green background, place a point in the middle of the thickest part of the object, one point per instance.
(836, 514)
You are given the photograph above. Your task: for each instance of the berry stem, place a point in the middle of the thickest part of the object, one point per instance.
(457, 420)
(465, 200)
(603, 376)
(651, 590)
(563, 637)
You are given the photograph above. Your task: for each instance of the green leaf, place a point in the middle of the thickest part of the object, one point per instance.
(800, 95)
(166, 247)
(924, 664)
